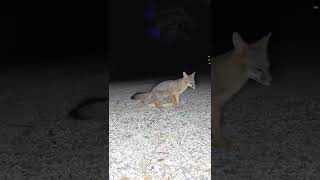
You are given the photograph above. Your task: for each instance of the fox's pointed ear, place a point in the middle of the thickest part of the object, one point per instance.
(193, 74)
(265, 41)
(269, 35)
(185, 74)
(238, 43)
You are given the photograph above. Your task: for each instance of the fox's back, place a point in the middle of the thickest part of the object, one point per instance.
(168, 86)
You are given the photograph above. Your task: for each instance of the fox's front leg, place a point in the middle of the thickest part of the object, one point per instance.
(220, 141)
(216, 122)
(175, 100)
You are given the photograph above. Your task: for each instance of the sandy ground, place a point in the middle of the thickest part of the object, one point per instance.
(37, 140)
(145, 141)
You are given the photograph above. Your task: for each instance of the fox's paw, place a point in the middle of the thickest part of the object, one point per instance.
(226, 144)
(159, 107)
(177, 108)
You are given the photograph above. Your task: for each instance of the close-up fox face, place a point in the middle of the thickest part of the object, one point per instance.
(190, 80)
(259, 71)
(258, 62)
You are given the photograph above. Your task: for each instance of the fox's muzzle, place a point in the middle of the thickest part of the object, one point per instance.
(268, 83)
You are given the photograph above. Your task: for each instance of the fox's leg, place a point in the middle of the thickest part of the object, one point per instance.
(158, 104)
(177, 100)
(156, 100)
(217, 127)
(173, 99)
(216, 122)
(141, 104)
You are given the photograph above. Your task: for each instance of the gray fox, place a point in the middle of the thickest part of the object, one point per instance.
(230, 71)
(170, 88)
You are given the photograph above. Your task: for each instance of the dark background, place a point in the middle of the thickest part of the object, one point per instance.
(53, 32)
(135, 55)
(294, 20)
(98, 32)
(293, 24)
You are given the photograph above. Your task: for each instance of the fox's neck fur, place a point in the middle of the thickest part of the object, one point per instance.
(229, 84)
(183, 84)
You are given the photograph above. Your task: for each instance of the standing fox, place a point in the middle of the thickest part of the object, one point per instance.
(231, 71)
(170, 88)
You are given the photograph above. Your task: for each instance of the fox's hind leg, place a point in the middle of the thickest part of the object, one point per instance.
(156, 98)
(143, 104)
(158, 104)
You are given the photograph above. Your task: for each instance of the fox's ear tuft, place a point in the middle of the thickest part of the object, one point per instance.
(269, 35)
(238, 42)
(265, 41)
(185, 74)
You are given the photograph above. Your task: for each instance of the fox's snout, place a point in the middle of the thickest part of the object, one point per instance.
(262, 81)
(265, 79)
(267, 83)
(192, 85)
(261, 76)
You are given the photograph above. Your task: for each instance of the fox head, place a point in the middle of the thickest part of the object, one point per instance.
(258, 62)
(189, 79)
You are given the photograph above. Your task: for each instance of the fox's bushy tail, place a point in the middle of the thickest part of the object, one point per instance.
(82, 110)
(141, 95)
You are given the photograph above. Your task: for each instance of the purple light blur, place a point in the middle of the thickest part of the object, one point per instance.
(155, 33)
(150, 15)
